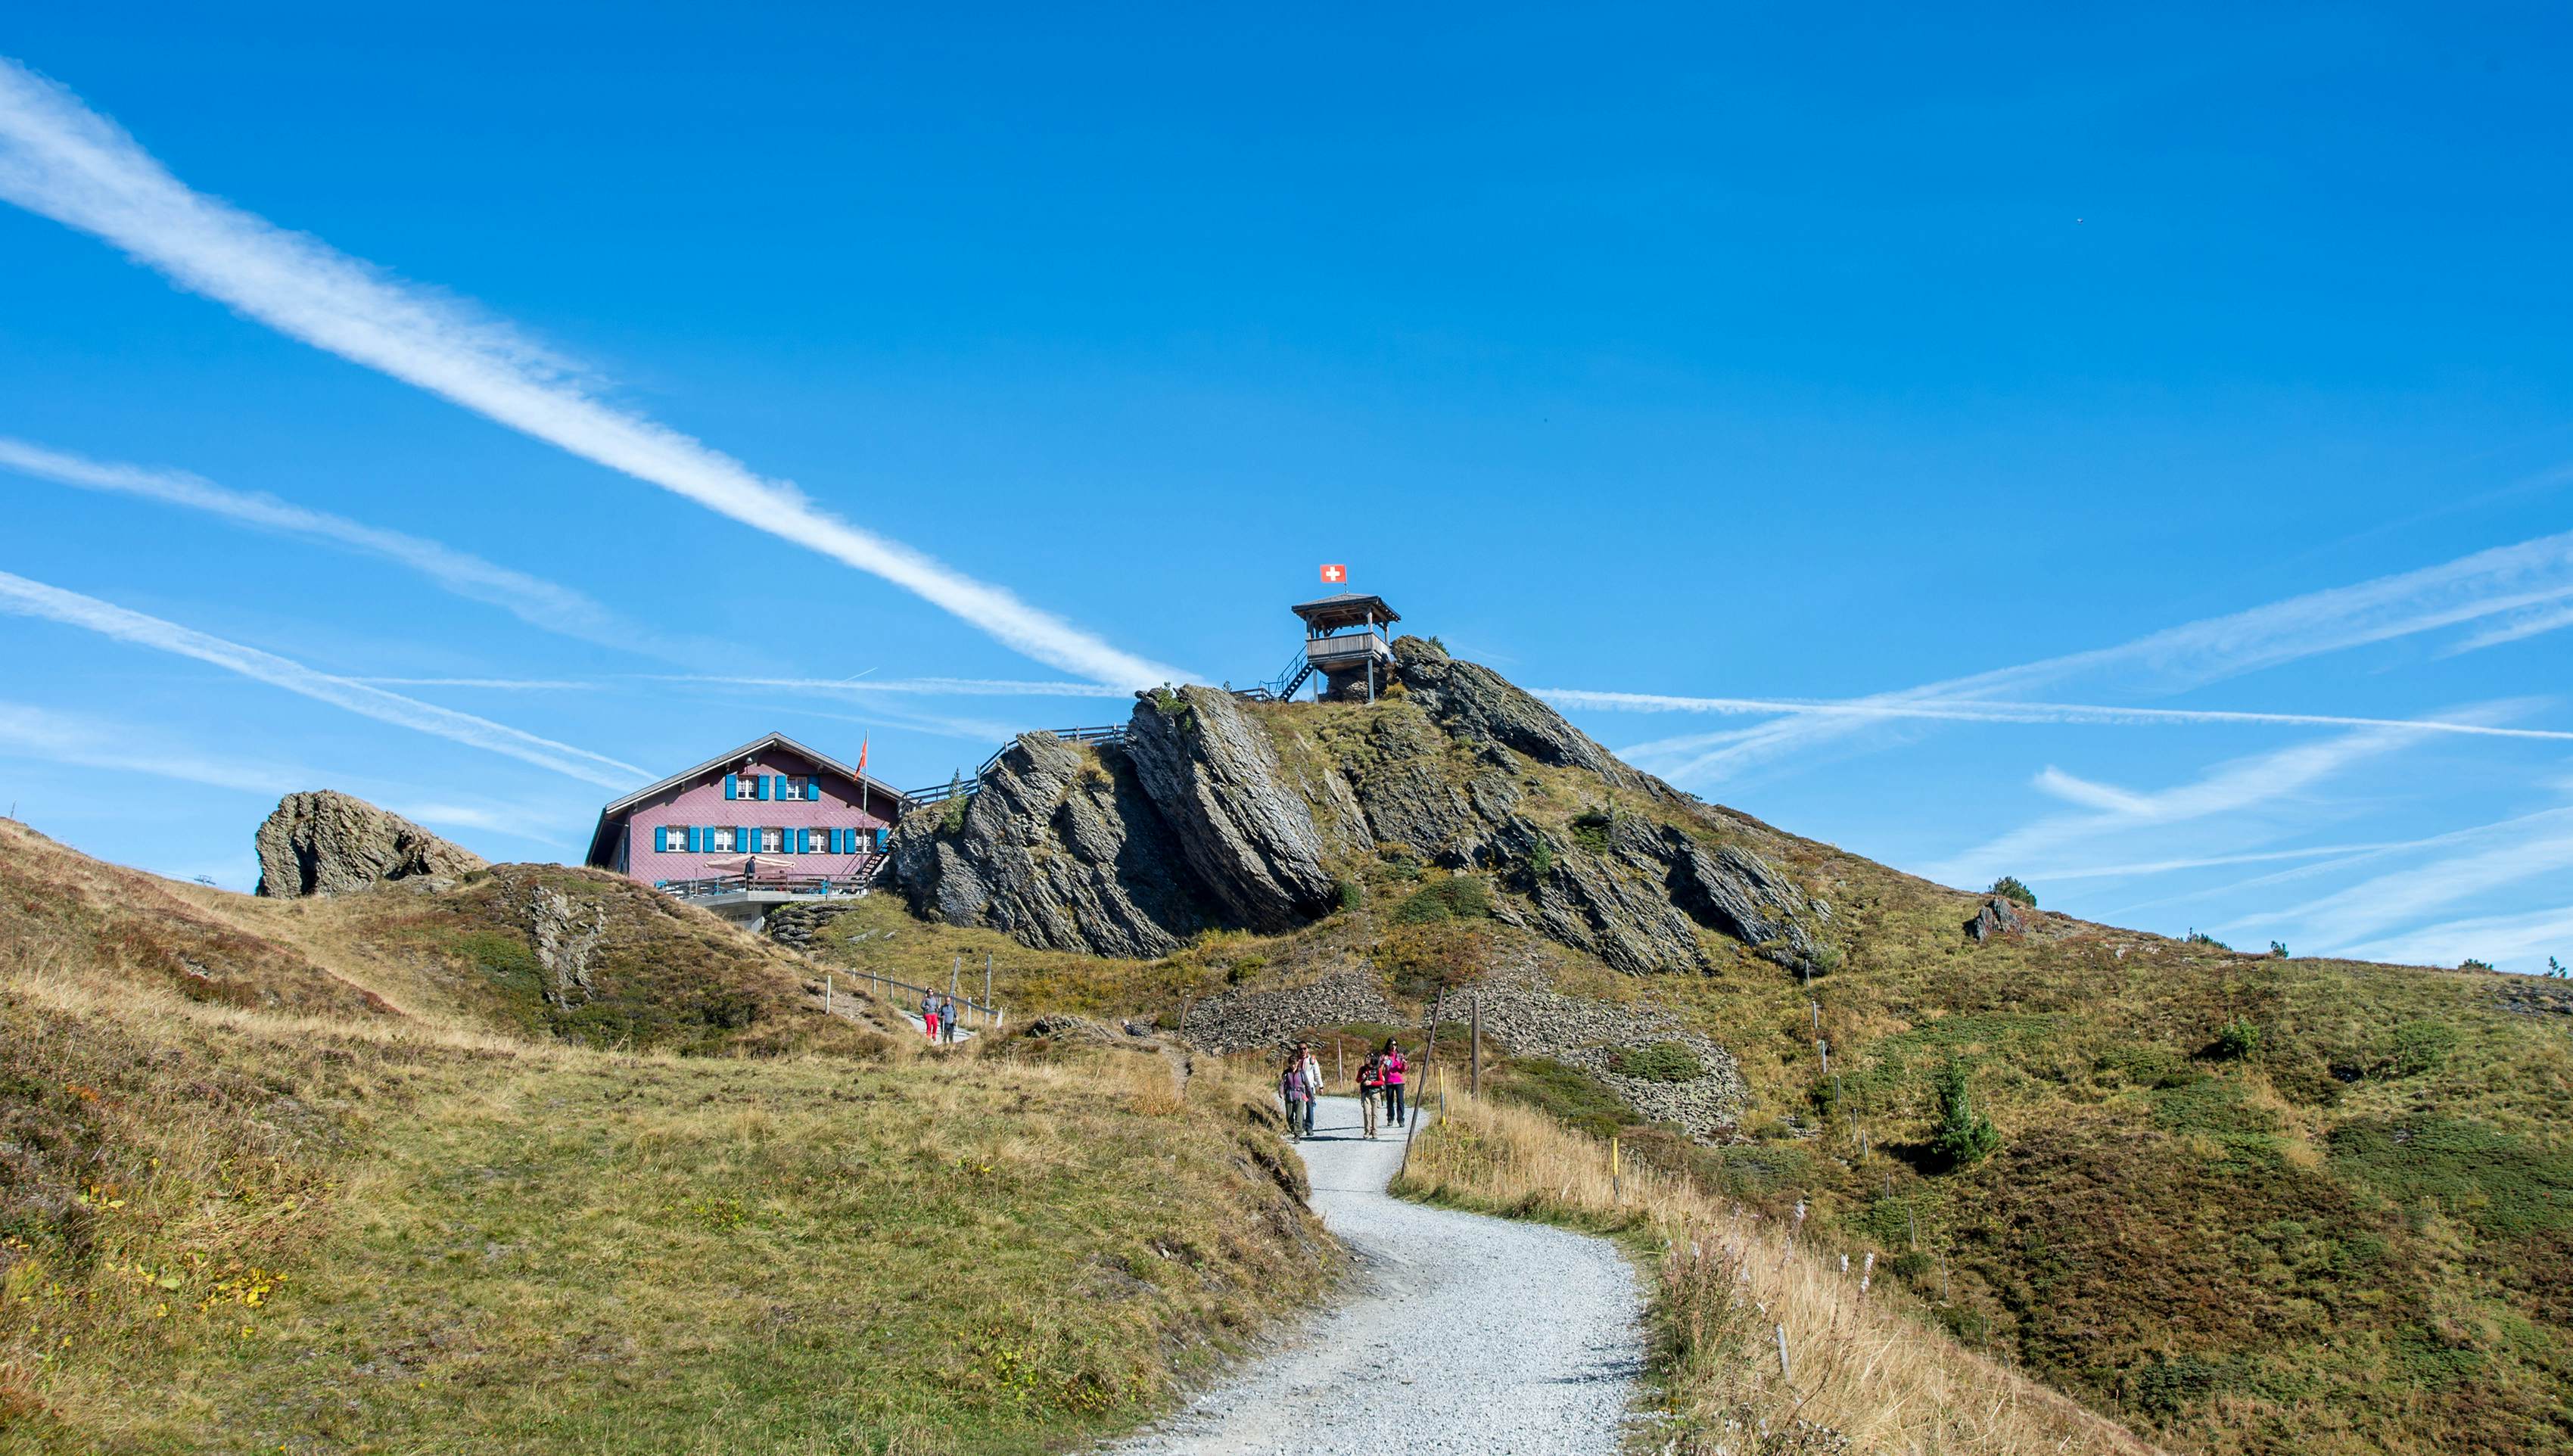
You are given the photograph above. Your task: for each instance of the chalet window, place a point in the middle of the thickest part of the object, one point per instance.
(772, 841)
(720, 840)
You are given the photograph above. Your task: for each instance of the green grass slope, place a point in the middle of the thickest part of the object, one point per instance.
(290, 1217)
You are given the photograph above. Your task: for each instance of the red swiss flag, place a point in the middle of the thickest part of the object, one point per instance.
(1335, 573)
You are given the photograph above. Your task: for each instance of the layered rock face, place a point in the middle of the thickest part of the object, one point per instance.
(1195, 821)
(1247, 836)
(1060, 850)
(1472, 701)
(326, 843)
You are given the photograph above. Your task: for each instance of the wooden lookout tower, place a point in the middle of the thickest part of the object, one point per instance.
(1345, 641)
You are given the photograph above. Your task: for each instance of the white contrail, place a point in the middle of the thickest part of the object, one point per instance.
(2262, 856)
(65, 162)
(1991, 712)
(503, 684)
(961, 687)
(36, 599)
(531, 599)
(91, 743)
(2225, 791)
(2502, 581)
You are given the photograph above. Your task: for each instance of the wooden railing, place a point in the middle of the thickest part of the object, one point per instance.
(710, 886)
(883, 987)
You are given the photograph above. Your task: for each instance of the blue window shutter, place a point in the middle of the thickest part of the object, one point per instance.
(660, 841)
(768, 786)
(729, 782)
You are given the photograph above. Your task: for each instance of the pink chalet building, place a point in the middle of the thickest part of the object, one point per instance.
(770, 822)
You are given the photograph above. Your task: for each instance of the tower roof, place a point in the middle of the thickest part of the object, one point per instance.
(1347, 610)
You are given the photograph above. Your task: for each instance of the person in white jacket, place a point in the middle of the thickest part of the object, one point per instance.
(1313, 1081)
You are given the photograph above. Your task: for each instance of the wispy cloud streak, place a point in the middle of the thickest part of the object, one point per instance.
(2501, 582)
(2511, 852)
(2509, 942)
(960, 687)
(90, 743)
(531, 599)
(36, 599)
(1976, 712)
(2230, 789)
(62, 160)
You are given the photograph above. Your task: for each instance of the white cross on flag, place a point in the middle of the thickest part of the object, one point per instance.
(1335, 573)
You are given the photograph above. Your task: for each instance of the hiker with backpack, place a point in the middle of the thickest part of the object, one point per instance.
(1371, 1091)
(1392, 1063)
(1298, 1095)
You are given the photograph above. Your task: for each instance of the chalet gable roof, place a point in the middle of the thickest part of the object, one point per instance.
(598, 837)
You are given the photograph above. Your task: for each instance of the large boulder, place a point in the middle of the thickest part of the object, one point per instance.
(1247, 834)
(324, 842)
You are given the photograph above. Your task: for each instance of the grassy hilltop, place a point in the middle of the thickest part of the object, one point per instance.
(2243, 1203)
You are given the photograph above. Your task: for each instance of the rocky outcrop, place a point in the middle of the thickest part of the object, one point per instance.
(1998, 917)
(1472, 701)
(566, 941)
(1061, 849)
(1214, 778)
(1639, 901)
(1455, 803)
(1246, 1020)
(327, 843)
(1197, 821)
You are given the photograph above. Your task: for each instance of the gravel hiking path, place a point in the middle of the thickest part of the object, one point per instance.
(1462, 1334)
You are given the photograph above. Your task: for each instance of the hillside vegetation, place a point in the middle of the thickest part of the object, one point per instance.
(2241, 1203)
(342, 1175)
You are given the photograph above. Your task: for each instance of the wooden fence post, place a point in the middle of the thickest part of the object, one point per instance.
(1474, 1076)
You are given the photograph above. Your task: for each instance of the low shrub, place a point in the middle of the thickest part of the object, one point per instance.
(2009, 886)
(2238, 1039)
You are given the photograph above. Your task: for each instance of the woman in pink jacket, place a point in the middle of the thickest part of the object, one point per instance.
(1391, 1063)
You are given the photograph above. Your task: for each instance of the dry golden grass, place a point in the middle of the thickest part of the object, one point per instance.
(1727, 1282)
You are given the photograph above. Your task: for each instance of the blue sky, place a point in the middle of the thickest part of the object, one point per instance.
(2085, 449)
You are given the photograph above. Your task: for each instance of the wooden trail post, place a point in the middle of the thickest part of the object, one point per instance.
(1616, 1172)
(1474, 1076)
(1411, 1122)
(1783, 1372)
(987, 987)
(826, 994)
